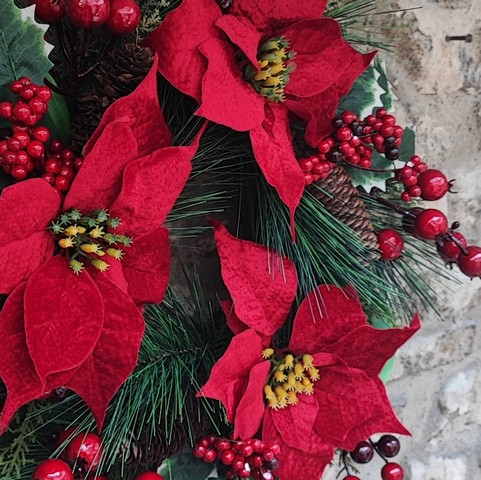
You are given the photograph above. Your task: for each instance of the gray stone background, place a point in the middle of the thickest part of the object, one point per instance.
(436, 383)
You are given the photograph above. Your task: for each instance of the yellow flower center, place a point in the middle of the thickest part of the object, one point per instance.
(290, 376)
(275, 67)
(88, 238)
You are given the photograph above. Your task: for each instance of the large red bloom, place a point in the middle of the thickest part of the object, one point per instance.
(199, 50)
(84, 331)
(320, 393)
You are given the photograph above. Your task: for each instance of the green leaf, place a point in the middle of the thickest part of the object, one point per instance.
(408, 145)
(185, 466)
(369, 179)
(57, 117)
(387, 370)
(22, 48)
(362, 93)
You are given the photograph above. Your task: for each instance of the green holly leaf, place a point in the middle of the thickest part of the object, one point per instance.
(57, 118)
(408, 147)
(184, 466)
(22, 48)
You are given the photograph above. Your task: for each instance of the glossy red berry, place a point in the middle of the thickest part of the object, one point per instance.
(38, 106)
(391, 245)
(449, 249)
(87, 446)
(56, 146)
(52, 469)
(247, 450)
(49, 11)
(19, 172)
(430, 223)
(53, 165)
(149, 476)
(124, 17)
(351, 477)
(6, 110)
(36, 149)
(21, 112)
(199, 451)
(348, 117)
(23, 158)
(392, 471)
(44, 93)
(87, 13)
(433, 183)
(42, 134)
(388, 445)
(344, 134)
(363, 452)
(470, 264)
(227, 457)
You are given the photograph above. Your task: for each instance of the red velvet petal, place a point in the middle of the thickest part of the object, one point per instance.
(319, 110)
(325, 316)
(63, 317)
(249, 413)
(369, 348)
(321, 58)
(177, 39)
(146, 266)
(262, 285)
(229, 376)
(352, 407)
(226, 97)
(16, 367)
(114, 356)
(99, 181)
(26, 210)
(243, 34)
(296, 422)
(19, 259)
(145, 117)
(151, 186)
(292, 461)
(271, 16)
(272, 144)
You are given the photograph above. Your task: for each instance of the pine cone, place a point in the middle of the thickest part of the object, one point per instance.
(116, 76)
(342, 200)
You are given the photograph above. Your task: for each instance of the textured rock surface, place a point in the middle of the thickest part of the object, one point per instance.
(436, 382)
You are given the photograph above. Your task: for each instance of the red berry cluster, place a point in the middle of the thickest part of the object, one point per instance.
(421, 181)
(120, 17)
(252, 459)
(388, 446)
(315, 167)
(381, 130)
(61, 166)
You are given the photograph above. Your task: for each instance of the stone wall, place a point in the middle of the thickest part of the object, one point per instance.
(436, 383)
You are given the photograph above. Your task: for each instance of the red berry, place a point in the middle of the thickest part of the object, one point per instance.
(389, 121)
(449, 249)
(227, 457)
(14, 144)
(365, 162)
(355, 141)
(351, 477)
(391, 245)
(42, 134)
(409, 182)
(308, 179)
(204, 442)
(149, 476)
(124, 17)
(386, 131)
(16, 86)
(53, 165)
(392, 471)
(257, 445)
(420, 167)
(210, 456)
(430, 223)
(415, 191)
(398, 131)
(406, 172)
(244, 473)
(3, 147)
(306, 164)
(19, 172)
(363, 452)
(44, 93)
(388, 445)
(380, 112)
(56, 146)
(247, 450)
(49, 177)
(6, 110)
(21, 112)
(10, 158)
(199, 451)
(415, 159)
(370, 120)
(36, 149)
(276, 448)
(16, 127)
(256, 461)
(88, 13)
(32, 120)
(67, 172)
(52, 469)
(433, 183)
(470, 264)
(325, 145)
(23, 138)
(27, 92)
(348, 117)
(38, 106)
(69, 154)
(49, 11)
(222, 444)
(268, 455)
(86, 446)
(238, 463)
(344, 134)
(23, 158)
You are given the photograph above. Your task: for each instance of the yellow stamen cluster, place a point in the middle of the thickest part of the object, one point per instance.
(275, 67)
(290, 376)
(83, 237)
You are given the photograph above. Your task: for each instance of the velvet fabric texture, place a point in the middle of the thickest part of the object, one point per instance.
(198, 48)
(84, 331)
(349, 401)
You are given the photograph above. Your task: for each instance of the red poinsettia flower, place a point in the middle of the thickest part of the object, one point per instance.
(250, 68)
(73, 317)
(321, 392)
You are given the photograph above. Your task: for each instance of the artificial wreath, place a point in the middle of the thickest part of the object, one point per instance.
(140, 339)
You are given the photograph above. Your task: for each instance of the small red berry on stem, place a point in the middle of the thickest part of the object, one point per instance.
(434, 184)
(53, 469)
(49, 11)
(124, 17)
(86, 446)
(87, 14)
(392, 471)
(470, 263)
(430, 223)
(149, 476)
(391, 245)
(449, 247)
(388, 446)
